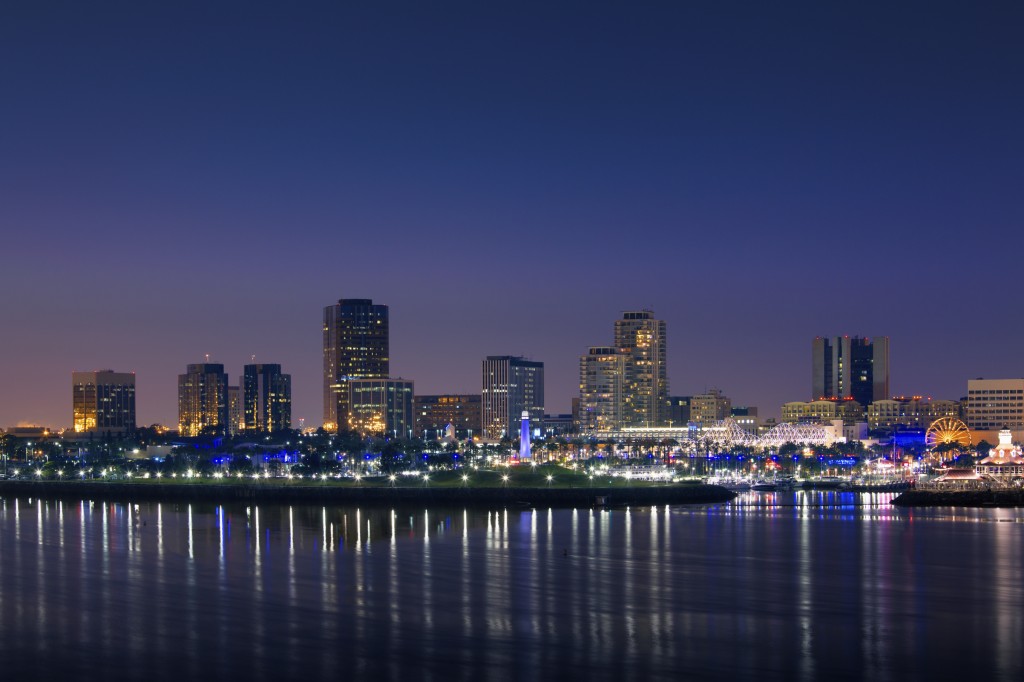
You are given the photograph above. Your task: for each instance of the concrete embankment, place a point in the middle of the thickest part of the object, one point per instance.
(353, 495)
(961, 498)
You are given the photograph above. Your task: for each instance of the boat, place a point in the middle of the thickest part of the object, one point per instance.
(733, 484)
(764, 486)
(826, 483)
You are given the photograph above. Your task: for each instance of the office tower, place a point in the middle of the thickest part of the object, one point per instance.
(710, 407)
(602, 377)
(845, 367)
(645, 393)
(235, 422)
(266, 398)
(435, 412)
(103, 402)
(995, 404)
(203, 400)
(355, 347)
(381, 407)
(511, 385)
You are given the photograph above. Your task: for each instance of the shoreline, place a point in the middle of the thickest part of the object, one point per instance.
(960, 498)
(474, 497)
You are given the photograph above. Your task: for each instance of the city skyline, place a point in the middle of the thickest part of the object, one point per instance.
(766, 410)
(757, 178)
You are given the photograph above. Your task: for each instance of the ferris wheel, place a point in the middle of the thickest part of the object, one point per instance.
(948, 430)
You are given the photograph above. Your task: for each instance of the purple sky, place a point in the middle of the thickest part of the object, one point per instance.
(507, 177)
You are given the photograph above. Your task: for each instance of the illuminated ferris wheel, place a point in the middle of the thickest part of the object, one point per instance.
(948, 430)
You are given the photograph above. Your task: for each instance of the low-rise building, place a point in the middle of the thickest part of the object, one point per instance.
(913, 412)
(435, 412)
(381, 407)
(846, 409)
(710, 407)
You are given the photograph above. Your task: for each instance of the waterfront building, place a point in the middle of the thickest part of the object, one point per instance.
(710, 407)
(203, 400)
(382, 407)
(915, 412)
(994, 404)
(511, 385)
(266, 398)
(845, 367)
(356, 346)
(1004, 462)
(643, 339)
(435, 412)
(103, 402)
(602, 379)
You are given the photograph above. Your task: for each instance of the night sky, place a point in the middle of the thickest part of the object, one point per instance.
(186, 178)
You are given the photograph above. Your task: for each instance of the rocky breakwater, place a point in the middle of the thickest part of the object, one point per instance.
(1012, 497)
(354, 495)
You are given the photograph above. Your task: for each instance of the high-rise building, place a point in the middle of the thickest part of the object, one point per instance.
(266, 398)
(511, 385)
(355, 347)
(845, 367)
(381, 407)
(203, 400)
(602, 381)
(103, 402)
(435, 412)
(645, 392)
(235, 422)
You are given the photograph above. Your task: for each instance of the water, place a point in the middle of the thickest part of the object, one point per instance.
(785, 586)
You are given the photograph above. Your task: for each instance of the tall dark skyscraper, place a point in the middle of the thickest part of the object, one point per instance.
(850, 367)
(511, 385)
(103, 402)
(266, 398)
(203, 400)
(355, 347)
(645, 390)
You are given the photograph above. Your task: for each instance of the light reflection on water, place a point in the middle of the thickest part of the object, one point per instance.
(798, 585)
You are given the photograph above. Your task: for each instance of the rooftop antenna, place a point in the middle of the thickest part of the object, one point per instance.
(253, 356)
